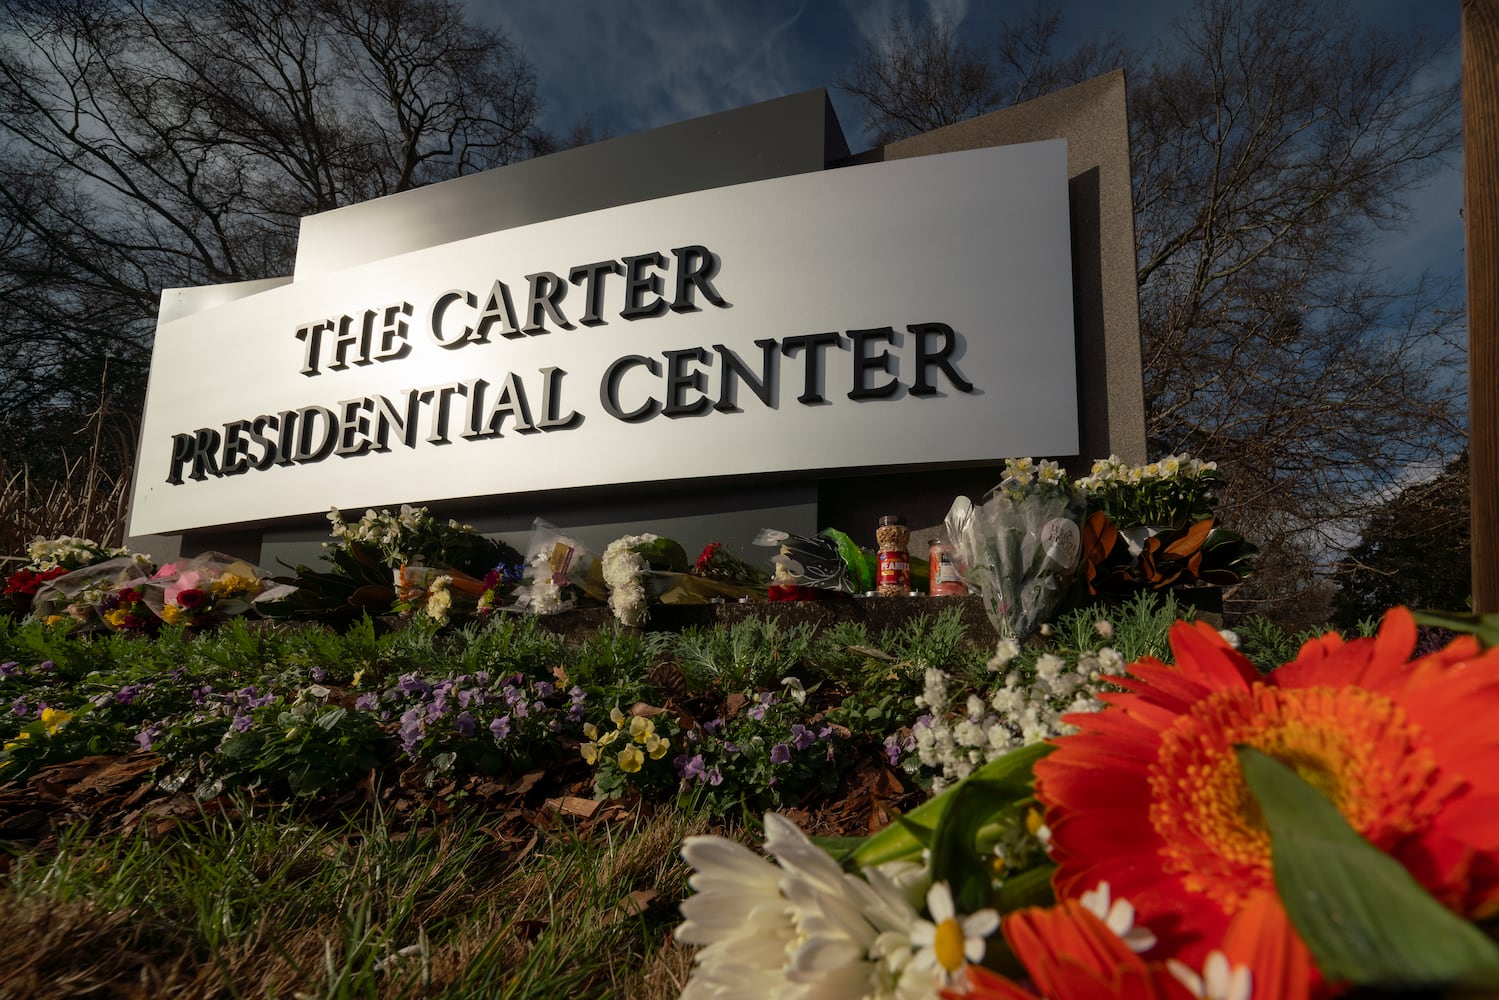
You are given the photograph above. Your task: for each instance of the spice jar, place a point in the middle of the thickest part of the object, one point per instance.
(945, 579)
(894, 574)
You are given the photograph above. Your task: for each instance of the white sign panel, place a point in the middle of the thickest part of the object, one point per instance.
(877, 316)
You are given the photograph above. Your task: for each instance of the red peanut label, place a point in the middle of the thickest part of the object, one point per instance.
(894, 570)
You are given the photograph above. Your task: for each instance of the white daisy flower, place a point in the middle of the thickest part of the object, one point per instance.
(1119, 917)
(947, 943)
(1219, 979)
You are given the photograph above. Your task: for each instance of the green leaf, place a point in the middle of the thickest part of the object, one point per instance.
(897, 843)
(1031, 887)
(955, 856)
(1364, 917)
(838, 847)
(861, 574)
(664, 555)
(330, 719)
(1485, 627)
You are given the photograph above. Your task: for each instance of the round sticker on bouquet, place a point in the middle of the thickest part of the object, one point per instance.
(1061, 541)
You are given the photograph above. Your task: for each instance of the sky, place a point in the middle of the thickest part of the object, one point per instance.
(626, 67)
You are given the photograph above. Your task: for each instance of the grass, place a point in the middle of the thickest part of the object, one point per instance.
(86, 500)
(264, 903)
(438, 889)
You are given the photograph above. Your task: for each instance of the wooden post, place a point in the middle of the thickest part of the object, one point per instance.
(1480, 55)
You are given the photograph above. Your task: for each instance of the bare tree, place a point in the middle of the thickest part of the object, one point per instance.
(147, 145)
(1270, 143)
(918, 75)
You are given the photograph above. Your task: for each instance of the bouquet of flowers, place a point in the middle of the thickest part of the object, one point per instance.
(1020, 548)
(110, 594)
(46, 560)
(716, 562)
(1153, 526)
(555, 572)
(499, 587)
(638, 569)
(385, 560)
(1211, 831)
(209, 588)
(829, 560)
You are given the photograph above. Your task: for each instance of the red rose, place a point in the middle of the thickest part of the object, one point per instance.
(192, 599)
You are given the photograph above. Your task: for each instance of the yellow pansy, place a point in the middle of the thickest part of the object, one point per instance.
(608, 738)
(53, 719)
(657, 746)
(590, 730)
(590, 752)
(616, 716)
(358, 676)
(641, 728)
(631, 759)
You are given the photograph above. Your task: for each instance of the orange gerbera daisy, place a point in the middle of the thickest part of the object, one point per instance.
(1070, 954)
(1149, 797)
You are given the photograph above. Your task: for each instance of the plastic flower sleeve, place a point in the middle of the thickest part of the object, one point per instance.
(212, 586)
(555, 572)
(90, 594)
(1019, 550)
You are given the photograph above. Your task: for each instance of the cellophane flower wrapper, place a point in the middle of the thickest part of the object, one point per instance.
(1019, 550)
(417, 584)
(555, 571)
(80, 594)
(209, 587)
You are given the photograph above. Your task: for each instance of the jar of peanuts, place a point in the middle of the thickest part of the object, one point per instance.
(894, 573)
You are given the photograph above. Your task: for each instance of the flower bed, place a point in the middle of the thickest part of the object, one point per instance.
(1011, 799)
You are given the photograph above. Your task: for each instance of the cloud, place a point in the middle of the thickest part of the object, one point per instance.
(632, 67)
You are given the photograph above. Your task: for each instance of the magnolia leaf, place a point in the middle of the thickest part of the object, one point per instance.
(1189, 539)
(1099, 537)
(1364, 917)
(373, 596)
(896, 842)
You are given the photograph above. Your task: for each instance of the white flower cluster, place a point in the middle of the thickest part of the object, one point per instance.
(1020, 711)
(393, 535)
(69, 552)
(1114, 470)
(623, 571)
(803, 927)
(1021, 472)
